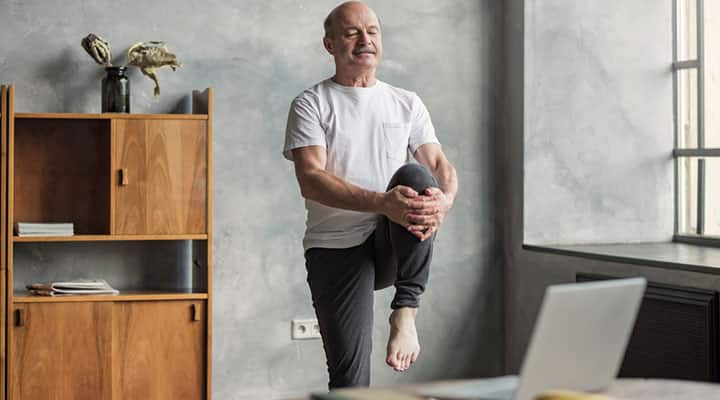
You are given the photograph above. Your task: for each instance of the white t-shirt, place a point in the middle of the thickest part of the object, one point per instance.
(367, 132)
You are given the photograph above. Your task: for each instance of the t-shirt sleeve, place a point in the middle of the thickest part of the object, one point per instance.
(422, 130)
(303, 127)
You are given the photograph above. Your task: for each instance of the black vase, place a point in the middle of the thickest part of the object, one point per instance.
(115, 90)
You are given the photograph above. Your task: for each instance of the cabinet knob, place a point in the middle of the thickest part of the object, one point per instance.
(19, 317)
(124, 181)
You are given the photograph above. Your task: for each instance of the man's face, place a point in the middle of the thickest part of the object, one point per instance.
(356, 42)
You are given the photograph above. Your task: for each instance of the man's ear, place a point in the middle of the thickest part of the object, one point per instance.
(327, 43)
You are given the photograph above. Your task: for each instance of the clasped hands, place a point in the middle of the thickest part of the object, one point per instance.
(420, 213)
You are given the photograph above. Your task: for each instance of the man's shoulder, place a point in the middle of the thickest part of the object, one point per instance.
(313, 92)
(404, 94)
(397, 90)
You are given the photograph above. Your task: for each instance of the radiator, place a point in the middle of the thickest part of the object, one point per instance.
(675, 335)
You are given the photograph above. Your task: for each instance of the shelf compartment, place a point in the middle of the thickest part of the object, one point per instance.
(24, 296)
(175, 266)
(106, 238)
(108, 116)
(62, 173)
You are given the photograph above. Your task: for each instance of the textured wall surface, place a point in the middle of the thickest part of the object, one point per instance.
(258, 55)
(598, 121)
(621, 123)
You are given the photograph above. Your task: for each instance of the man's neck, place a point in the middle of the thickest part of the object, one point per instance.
(363, 80)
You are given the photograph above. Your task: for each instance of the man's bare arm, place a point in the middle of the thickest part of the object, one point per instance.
(437, 201)
(432, 156)
(325, 188)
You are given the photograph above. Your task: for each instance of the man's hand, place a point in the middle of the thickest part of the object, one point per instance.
(398, 203)
(427, 218)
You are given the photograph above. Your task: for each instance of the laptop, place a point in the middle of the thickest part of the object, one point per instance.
(577, 344)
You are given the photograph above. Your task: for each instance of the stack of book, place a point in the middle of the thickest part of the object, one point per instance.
(44, 229)
(81, 286)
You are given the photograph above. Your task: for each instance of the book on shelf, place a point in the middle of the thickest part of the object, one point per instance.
(44, 229)
(80, 286)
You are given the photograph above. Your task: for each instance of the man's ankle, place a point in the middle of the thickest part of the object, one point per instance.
(403, 313)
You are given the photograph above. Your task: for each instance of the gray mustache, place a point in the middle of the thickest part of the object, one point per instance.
(364, 49)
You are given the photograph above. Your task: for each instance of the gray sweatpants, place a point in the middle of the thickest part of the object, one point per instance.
(342, 282)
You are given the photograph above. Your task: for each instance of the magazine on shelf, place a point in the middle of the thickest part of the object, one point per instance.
(81, 286)
(44, 228)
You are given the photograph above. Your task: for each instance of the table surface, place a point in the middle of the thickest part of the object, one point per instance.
(632, 389)
(659, 389)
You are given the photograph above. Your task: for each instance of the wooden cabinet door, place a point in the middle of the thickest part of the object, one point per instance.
(160, 176)
(61, 351)
(159, 350)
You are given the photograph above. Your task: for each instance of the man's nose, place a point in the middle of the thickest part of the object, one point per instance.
(364, 38)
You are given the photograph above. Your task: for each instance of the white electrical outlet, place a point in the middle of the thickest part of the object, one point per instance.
(302, 329)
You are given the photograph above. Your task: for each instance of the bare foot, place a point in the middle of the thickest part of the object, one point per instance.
(403, 347)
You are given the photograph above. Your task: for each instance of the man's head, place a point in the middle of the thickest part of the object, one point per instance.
(352, 37)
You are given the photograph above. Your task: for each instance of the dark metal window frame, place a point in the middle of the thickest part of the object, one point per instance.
(701, 152)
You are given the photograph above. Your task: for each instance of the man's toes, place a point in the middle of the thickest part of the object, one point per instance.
(398, 365)
(405, 362)
(392, 359)
(414, 357)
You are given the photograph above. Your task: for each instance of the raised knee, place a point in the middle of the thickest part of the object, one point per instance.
(416, 176)
(412, 170)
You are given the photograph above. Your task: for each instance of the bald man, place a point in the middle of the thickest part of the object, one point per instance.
(371, 215)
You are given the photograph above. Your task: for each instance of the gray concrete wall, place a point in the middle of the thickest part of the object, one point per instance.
(258, 55)
(597, 135)
(598, 121)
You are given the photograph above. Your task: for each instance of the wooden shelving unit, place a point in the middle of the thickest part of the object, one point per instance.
(118, 178)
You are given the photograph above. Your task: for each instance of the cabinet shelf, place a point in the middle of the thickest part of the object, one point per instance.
(24, 296)
(106, 238)
(108, 116)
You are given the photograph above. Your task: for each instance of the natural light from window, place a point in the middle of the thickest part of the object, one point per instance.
(697, 89)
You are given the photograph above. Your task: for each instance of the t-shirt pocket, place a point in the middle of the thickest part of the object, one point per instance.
(397, 136)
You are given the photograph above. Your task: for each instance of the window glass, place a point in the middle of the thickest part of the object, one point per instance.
(687, 30)
(687, 195)
(711, 69)
(687, 108)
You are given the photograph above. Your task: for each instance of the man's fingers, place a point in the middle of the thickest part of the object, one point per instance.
(428, 233)
(420, 219)
(416, 228)
(432, 191)
(422, 232)
(425, 211)
(417, 231)
(423, 202)
(415, 204)
(407, 191)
